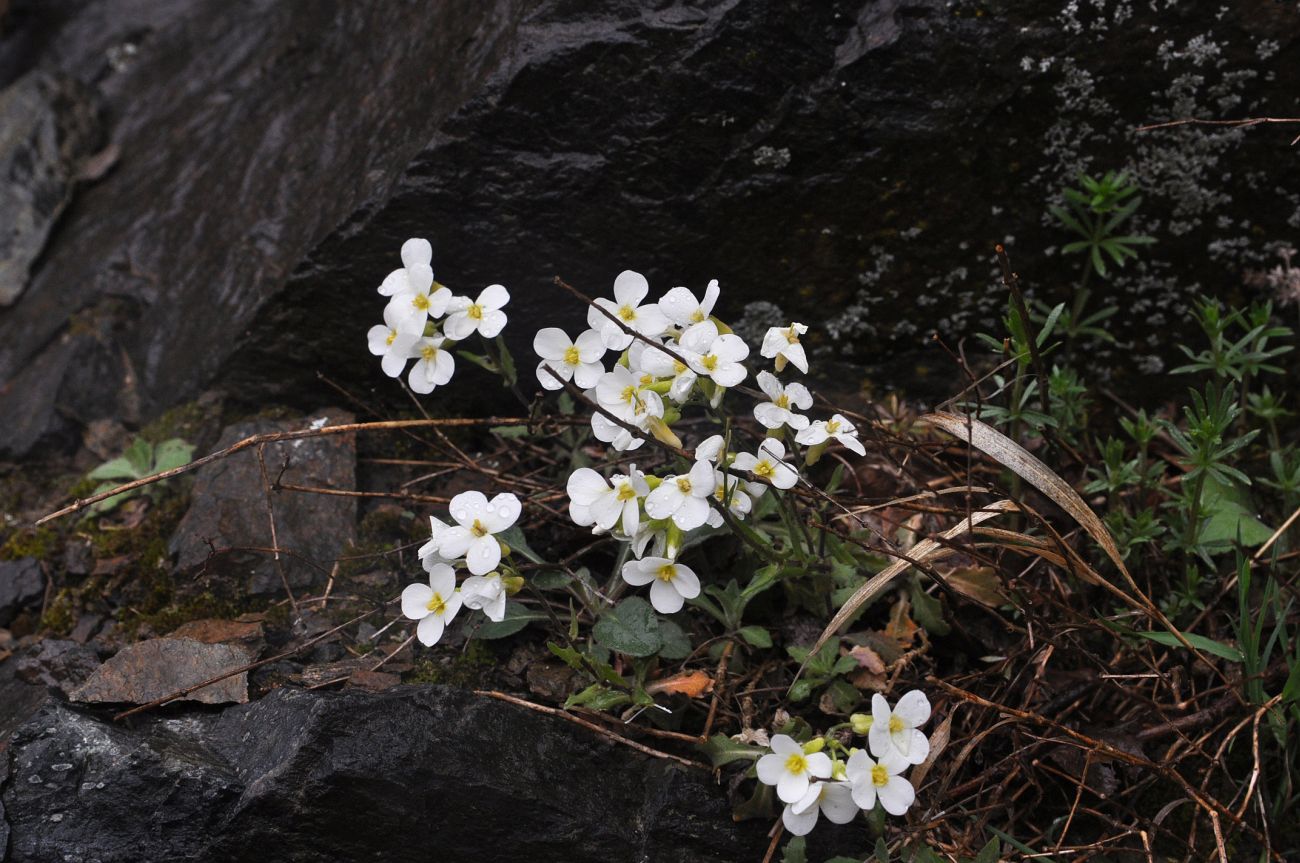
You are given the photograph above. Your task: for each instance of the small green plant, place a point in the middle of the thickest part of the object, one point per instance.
(140, 460)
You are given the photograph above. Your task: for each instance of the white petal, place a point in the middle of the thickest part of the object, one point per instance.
(585, 485)
(819, 765)
(483, 555)
(416, 251)
(770, 386)
(814, 434)
(650, 321)
(455, 542)
(503, 511)
(809, 800)
(591, 347)
(548, 380)
(419, 277)
(784, 744)
(693, 512)
(792, 787)
(799, 396)
(802, 824)
(896, 795)
(665, 500)
(710, 448)
(458, 326)
(795, 354)
(851, 442)
(442, 579)
(640, 572)
(550, 343)
(664, 598)
(769, 415)
(494, 297)
(728, 374)
(415, 600)
(630, 288)
(699, 338)
(394, 283)
(494, 321)
(680, 306)
(393, 364)
(837, 803)
(730, 348)
(686, 582)
(710, 297)
(771, 768)
(430, 630)
(774, 341)
(913, 708)
(587, 375)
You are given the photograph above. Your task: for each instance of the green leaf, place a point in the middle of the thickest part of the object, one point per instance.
(1230, 517)
(140, 456)
(478, 360)
(631, 628)
(172, 454)
(927, 610)
(677, 645)
(881, 851)
(509, 432)
(801, 690)
(755, 636)
(597, 697)
(795, 851)
(118, 468)
(1200, 642)
(514, 537)
(517, 617)
(721, 749)
(549, 579)
(507, 362)
(990, 853)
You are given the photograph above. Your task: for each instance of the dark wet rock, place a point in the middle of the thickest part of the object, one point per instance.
(87, 625)
(22, 584)
(409, 775)
(48, 125)
(228, 508)
(248, 131)
(19, 701)
(142, 672)
(62, 664)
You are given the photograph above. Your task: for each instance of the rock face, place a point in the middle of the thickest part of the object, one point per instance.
(417, 774)
(872, 150)
(47, 125)
(142, 672)
(21, 584)
(228, 507)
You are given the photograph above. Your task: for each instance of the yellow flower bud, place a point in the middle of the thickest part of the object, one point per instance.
(861, 722)
(817, 744)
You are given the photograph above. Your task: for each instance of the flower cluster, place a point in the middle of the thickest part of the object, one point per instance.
(671, 353)
(470, 543)
(812, 783)
(415, 307)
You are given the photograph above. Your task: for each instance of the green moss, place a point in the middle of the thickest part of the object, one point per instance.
(187, 422)
(465, 670)
(41, 543)
(61, 614)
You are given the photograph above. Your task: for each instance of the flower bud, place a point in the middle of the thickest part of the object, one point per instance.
(817, 744)
(815, 452)
(861, 722)
(662, 432)
(513, 583)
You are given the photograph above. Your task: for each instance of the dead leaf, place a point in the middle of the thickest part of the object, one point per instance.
(692, 684)
(980, 583)
(868, 659)
(901, 627)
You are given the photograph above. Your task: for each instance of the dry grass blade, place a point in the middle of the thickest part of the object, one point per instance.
(1016, 458)
(876, 585)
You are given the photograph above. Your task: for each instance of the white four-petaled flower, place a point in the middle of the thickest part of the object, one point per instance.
(782, 344)
(483, 315)
(486, 593)
(433, 365)
(680, 306)
(417, 256)
(477, 519)
(836, 427)
(832, 799)
(630, 288)
(671, 583)
(713, 355)
(572, 359)
(433, 604)
(783, 400)
(894, 732)
(791, 769)
(385, 340)
(879, 780)
(683, 498)
(606, 504)
(767, 465)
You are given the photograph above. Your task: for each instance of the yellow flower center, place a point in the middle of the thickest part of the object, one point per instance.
(571, 355)
(684, 484)
(697, 316)
(832, 426)
(475, 311)
(627, 313)
(647, 379)
(678, 366)
(796, 763)
(428, 352)
(629, 394)
(792, 336)
(421, 302)
(392, 334)
(895, 725)
(437, 605)
(667, 572)
(879, 775)
(782, 401)
(626, 492)
(710, 362)
(764, 469)
(478, 529)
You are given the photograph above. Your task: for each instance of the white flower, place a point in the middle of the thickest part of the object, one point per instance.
(873, 780)
(630, 289)
(782, 343)
(836, 427)
(606, 430)
(648, 535)
(684, 498)
(791, 769)
(680, 306)
(832, 799)
(714, 355)
(730, 491)
(621, 392)
(415, 304)
(661, 364)
(486, 593)
(483, 315)
(767, 465)
(433, 604)
(416, 257)
(594, 501)
(777, 412)
(894, 732)
(428, 552)
(710, 449)
(385, 340)
(671, 584)
(477, 519)
(434, 366)
(577, 360)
